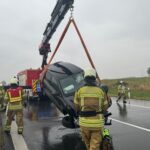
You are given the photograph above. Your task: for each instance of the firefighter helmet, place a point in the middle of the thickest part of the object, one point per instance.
(90, 72)
(14, 81)
(121, 82)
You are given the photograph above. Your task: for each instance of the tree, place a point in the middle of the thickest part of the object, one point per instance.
(148, 71)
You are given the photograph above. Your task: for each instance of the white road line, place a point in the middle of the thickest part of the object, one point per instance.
(132, 125)
(18, 140)
(139, 106)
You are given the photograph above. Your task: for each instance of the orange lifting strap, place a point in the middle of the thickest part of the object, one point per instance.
(71, 20)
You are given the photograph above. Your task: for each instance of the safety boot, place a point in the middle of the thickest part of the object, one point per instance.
(7, 131)
(20, 132)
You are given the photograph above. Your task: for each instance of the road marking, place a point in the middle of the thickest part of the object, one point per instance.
(132, 125)
(139, 106)
(18, 140)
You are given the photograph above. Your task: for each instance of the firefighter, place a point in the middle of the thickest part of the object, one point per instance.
(119, 88)
(121, 92)
(2, 93)
(90, 103)
(14, 97)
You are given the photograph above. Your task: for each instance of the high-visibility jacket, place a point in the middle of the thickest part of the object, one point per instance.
(119, 88)
(14, 97)
(91, 98)
(123, 89)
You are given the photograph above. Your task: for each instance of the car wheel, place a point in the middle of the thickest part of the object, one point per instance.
(68, 122)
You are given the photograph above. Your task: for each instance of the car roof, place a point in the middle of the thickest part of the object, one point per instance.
(62, 70)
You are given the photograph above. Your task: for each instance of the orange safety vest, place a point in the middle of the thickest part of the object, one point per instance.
(15, 95)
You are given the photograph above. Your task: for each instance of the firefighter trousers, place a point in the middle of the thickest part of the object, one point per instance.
(19, 119)
(92, 138)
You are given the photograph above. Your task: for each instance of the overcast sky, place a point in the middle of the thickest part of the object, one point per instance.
(116, 32)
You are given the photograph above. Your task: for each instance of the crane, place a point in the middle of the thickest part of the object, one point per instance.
(60, 10)
(61, 102)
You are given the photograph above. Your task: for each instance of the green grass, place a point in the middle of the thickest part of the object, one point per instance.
(139, 87)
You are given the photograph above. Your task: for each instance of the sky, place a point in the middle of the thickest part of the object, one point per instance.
(116, 33)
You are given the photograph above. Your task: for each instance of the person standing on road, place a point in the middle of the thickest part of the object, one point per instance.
(121, 92)
(14, 96)
(91, 103)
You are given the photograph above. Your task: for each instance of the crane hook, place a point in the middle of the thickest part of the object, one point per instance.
(71, 11)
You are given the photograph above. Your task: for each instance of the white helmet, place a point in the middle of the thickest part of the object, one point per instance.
(14, 81)
(90, 72)
(121, 82)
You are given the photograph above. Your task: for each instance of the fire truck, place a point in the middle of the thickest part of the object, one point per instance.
(29, 80)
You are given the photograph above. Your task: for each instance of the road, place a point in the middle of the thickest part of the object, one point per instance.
(130, 128)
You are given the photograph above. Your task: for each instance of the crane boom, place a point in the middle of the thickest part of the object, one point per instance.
(61, 8)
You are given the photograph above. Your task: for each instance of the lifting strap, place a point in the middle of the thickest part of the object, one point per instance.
(71, 20)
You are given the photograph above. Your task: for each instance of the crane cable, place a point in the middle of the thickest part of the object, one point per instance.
(71, 20)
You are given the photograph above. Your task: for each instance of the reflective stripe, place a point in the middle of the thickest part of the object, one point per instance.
(82, 103)
(91, 122)
(100, 103)
(15, 107)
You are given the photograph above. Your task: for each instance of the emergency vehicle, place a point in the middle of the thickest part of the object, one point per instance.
(29, 80)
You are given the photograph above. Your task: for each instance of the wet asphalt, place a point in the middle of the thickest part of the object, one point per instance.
(43, 129)
(133, 135)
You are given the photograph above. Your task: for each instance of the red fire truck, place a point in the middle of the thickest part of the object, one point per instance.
(29, 79)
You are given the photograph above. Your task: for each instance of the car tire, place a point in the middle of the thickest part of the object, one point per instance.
(68, 122)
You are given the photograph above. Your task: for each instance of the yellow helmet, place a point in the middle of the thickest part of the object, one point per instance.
(14, 81)
(90, 72)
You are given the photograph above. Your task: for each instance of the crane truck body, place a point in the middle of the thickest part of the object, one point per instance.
(29, 79)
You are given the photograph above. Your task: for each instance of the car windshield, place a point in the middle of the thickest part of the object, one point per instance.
(72, 83)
